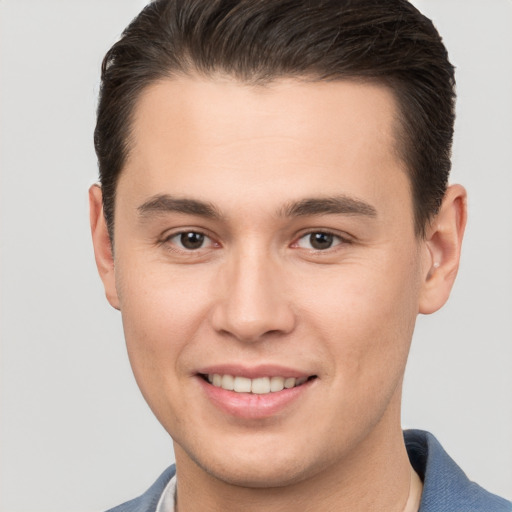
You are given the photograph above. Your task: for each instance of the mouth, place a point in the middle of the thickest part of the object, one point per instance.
(257, 386)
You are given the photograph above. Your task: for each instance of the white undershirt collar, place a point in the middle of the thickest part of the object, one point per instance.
(168, 498)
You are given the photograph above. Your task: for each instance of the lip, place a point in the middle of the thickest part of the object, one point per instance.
(249, 406)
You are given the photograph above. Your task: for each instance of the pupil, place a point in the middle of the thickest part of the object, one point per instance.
(321, 240)
(192, 240)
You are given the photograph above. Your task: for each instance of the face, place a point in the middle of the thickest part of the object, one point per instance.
(267, 272)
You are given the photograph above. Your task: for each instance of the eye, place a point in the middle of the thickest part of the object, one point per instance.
(190, 240)
(319, 241)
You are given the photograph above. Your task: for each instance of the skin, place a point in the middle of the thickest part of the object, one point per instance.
(257, 292)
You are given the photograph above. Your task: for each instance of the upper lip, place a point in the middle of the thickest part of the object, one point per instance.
(253, 372)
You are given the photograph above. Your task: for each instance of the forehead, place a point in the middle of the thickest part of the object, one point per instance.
(214, 135)
(223, 109)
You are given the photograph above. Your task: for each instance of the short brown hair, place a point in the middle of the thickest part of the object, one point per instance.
(387, 41)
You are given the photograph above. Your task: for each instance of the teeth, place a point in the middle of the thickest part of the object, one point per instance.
(289, 382)
(228, 382)
(276, 384)
(259, 386)
(242, 385)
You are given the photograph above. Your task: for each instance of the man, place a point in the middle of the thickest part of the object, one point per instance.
(273, 215)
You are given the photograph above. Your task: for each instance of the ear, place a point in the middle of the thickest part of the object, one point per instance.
(102, 245)
(442, 250)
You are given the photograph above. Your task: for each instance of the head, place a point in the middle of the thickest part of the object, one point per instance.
(273, 180)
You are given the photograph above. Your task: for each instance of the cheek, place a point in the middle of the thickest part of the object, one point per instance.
(162, 311)
(367, 313)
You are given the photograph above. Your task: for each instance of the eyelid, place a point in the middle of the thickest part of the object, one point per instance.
(343, 238)
(167, 236)
(165, 239)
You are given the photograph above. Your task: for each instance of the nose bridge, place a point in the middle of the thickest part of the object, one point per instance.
(253, 300)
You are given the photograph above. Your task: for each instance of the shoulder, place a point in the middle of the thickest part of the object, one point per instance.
(148, 501)
(446, 486)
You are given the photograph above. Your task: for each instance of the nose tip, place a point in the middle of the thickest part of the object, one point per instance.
(251, 328)
(253, 304)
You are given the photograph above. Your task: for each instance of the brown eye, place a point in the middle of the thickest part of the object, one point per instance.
(319, 241)
(192, 240)
(189, 240)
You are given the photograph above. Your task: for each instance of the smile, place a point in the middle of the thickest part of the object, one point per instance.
(257, 393)
(258, 386)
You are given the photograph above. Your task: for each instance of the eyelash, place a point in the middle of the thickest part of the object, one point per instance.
(342, 240)
(172, 247)
(167, 241)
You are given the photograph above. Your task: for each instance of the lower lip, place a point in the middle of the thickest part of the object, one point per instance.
(251, 405)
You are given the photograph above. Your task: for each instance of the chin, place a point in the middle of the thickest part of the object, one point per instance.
(265, 475)
(261, 466)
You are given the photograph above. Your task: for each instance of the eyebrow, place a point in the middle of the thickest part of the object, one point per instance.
(164, 203)
(338, 205)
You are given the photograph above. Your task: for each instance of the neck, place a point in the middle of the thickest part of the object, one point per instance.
(375, 476)
(415, 490)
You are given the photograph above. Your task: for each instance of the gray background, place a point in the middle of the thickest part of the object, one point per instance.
(75, 433)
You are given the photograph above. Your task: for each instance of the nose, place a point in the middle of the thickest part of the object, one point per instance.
(252, 301)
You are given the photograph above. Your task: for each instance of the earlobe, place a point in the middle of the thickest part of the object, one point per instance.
(442, 250)
(102, 245)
